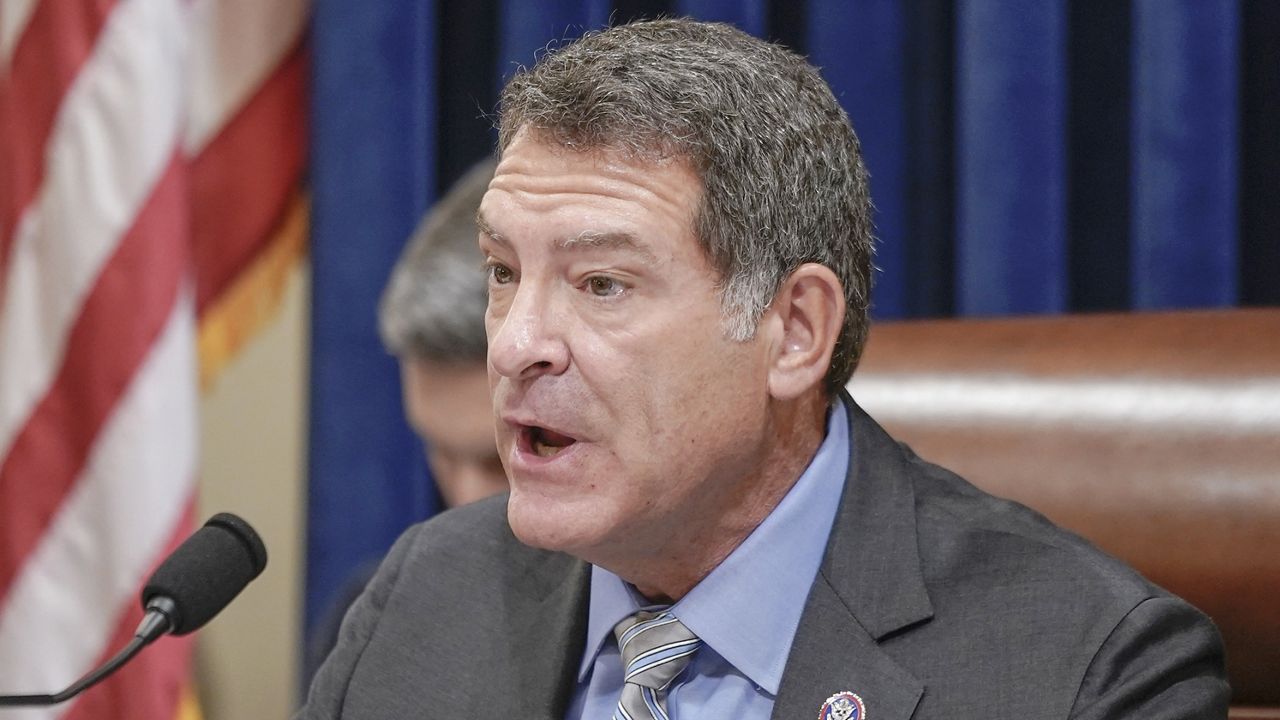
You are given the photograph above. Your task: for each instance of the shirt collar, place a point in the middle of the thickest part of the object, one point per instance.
(748, 608)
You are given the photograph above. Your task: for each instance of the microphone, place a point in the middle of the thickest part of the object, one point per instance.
(200, 578)
(204, 574)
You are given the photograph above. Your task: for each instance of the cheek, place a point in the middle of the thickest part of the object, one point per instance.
(725, 388)
(662, 403)
(662, 384)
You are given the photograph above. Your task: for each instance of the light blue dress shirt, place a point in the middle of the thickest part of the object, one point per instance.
(746, 611)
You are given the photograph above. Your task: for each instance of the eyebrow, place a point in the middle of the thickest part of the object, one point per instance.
(608, 241)
(587, 239)
(487, 230)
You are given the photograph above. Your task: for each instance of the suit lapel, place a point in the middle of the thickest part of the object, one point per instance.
(870, 585)
(832, 653)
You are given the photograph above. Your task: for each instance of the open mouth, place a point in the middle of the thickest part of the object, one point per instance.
(543, 442)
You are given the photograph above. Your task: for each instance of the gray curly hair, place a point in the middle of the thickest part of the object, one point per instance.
(782, 172)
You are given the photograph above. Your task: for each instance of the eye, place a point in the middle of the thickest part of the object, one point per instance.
(602, 286)
(499, 273)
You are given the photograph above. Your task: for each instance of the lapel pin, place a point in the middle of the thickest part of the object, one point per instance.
(843, 706)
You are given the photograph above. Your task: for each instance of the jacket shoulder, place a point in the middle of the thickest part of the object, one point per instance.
(1042, 609)
(434, 626)
(968, 535)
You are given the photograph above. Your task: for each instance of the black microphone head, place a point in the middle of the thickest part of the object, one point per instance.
(207, 571)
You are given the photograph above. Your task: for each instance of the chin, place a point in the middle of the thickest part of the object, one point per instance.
(549, 524)
(535, 522)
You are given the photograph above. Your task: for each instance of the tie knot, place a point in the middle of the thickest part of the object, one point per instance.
(655, 648)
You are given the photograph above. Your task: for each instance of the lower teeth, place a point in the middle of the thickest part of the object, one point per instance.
(543, 450)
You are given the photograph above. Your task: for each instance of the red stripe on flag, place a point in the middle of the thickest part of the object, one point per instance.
(123, 315)
(59, 37)
(150, 685)
(243, 180)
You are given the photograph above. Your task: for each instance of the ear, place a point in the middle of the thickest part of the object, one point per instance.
(805, 321)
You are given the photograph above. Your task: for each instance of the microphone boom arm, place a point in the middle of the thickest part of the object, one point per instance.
(153, 625)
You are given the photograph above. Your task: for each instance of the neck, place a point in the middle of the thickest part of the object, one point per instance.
(697, 546)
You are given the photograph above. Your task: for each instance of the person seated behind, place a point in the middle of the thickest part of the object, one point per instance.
(432, 319)
(702, 523)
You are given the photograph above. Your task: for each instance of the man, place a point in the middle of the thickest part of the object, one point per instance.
(432, 319)
(701, 522)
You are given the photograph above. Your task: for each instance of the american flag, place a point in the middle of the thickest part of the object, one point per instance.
(150, 207)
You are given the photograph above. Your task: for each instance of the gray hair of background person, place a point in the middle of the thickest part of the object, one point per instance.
(433, 306)
(782, 171)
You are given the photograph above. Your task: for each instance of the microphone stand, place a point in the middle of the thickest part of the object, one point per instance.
(153, 625)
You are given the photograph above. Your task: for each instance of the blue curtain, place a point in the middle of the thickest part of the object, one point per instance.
(1185, 167)
(1031, 157)
(373, 114)
(1011, 157)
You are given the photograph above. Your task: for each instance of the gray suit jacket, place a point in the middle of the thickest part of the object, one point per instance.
(934, 600)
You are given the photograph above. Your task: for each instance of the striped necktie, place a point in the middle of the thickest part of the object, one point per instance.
(655, 648)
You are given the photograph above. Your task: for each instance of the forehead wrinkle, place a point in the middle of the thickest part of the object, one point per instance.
(611, 174)
(587, 239)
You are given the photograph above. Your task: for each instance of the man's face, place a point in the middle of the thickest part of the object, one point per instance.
(448, 406)
(627, 421)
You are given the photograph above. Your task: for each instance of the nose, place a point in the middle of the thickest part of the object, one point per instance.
(527, 338)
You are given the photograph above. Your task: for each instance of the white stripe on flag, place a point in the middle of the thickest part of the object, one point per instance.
(114, 135)
(235, 46)
(113, 525)
(14, 15)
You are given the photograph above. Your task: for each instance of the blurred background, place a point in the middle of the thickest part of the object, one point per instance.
(201, 201)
